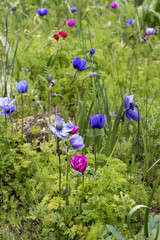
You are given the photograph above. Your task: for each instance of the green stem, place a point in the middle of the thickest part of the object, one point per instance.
(67, 183)
(22, 115)
(147, 209)
(60, 170)
(82, 193)
(49, 110)
(95, 150)
(75, 86)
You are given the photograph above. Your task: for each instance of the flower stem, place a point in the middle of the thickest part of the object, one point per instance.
(75, 86)
(67, 183)
(82, 193)
(95, 150)
(49, 109)
(60, 170)
(22, 115)
(82, 86)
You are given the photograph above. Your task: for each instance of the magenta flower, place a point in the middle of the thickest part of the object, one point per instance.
(71, 23)
(74, 130)
(150, 31)
(114, 5)
(79, 163)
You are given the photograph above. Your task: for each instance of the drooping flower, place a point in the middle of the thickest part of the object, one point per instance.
(71, 22)
(42, 11)
(73, 9)
(79, 64)
(92, 51)
(22, 86)
(114, 5)
(77, 142)
(97, 121)
(61, 130)
(7, 106)
(150, 31)
(63, 34)
(74, 130)
(56, 36)
(129, 22)
(79, 163)
(144, 39)
(130, 109)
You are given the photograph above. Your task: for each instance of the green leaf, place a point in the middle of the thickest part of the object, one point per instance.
(116, 233)
(129, 217)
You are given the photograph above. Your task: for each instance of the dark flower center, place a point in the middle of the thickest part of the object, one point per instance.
(133, 105)
(7, 110)
(59, 126)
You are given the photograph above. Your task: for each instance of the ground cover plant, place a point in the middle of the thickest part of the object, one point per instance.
(79, 114)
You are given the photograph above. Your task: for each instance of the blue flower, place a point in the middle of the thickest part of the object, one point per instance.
(42, 11)
(77, 142)
(129, 22)
(79, 64)
(73, 9)
(7, 106)
(92, 51)
(130, 110)
(22, 86)
(97, 121)
(61, 130)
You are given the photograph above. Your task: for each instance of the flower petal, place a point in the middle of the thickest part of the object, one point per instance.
(76, 63)
(68, 127)
(127, 115)
(134, 115)
(83, 65)
(53, 130)
(129, 99)
(58, 120)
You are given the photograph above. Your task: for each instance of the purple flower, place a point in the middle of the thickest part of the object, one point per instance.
(114, 5)
(92, 51)
(150, 31)
(130, 110)
(71, 23)
(97, 121)
(42, 11)
(77, 142)
(144, 39)
(129, 22)
(79, 163)
(22, 86)
(7, 106)
(61, 130)
(74, 130)
(73, 9)
(79, 64)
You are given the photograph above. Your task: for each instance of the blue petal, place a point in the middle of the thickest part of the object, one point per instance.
(39, 12)
(53, 130)
(115, 115)
(134, 115)
(68, 127)
(76, 63)
(128, 116)
(129, 99)
(44, 11)
(83, 65)
(58, 120)
(62, 134)
(2, 112)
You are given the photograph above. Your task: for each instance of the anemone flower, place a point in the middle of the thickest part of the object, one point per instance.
(7, 106)
(97, 121)
(150, 31)
(22, 86)
(42, 11)
(92, 51)
(129, 22)
(73, 9)
(114, 5)
(79, 64)
(71, 23)
(77, 142)
(61, 130)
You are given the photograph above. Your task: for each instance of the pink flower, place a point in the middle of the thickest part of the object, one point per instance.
(114, 5)
(74, 130)
(71, 23)
(79, 163)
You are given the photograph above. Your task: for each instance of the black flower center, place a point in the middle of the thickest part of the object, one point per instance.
(59, 126)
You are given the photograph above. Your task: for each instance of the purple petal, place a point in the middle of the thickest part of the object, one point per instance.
(58, 120)
(76, 63)
(134, 115)
(53, 130)
(129, 99)
(68, 127)
(83, 65)
(127, 116)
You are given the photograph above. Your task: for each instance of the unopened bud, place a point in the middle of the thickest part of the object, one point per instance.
(14, 8)
(53, 83)
(92, 74)
(49, 78)
(38, 103)
(54, 95)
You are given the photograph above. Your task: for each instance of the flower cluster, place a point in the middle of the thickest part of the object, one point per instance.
(62, 34)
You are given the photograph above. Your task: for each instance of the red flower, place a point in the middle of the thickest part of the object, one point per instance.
(56, 36)
(63, 34)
